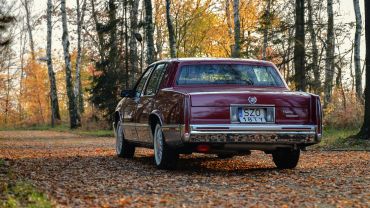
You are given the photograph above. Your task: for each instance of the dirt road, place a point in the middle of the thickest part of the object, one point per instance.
(83, 171)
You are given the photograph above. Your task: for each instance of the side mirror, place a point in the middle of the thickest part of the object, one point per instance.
(127, 93)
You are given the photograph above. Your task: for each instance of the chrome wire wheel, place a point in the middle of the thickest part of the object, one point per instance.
(164, 156)
(158, 145)
(123, 147)
(119, 138)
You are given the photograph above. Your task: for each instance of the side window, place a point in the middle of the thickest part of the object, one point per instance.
(140, 85)
(155, 79)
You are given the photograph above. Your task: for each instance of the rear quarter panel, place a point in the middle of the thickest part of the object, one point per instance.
(170, 107)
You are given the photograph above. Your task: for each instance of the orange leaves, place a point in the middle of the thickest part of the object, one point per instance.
(124, 202)
(80, 171)
(35, 94)
(344, 111)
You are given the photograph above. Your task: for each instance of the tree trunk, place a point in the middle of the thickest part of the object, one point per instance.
(7, 99)
(228, 22)
(315, 51)
(134, 59)
(357, 52)
(299, 47)
(329, 62)
(113, 52)
(55, 115)
(236, 51)
(21, 57)
(228, 18)
(99, 32)
(72, 107)
(126, 47)
(29, 27)
(171, 32)
(267, 23)
(365, 129)
(149, 29)
(77, 84)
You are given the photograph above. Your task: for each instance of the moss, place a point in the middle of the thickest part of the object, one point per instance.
(340, 138)
(15, 193)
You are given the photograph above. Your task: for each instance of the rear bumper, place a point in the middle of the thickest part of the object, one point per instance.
(253, 134)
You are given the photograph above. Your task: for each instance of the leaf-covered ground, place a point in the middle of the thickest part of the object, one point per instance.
(76, 171)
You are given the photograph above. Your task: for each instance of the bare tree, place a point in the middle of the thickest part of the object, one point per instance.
(236, 51)
(72, 107)
(77, 85)
(357, 48)
(133, 45)
(329, 62)
(299, 47)
(5, 20)
(21, 57)
(315, 53)
(171, 32)
(266, 28)
(55, 115)
(26, 4)
(126, 45)
(365, 129)
(228, 18)
(149, 30)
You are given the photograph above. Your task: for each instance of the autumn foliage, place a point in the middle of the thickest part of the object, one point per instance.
(35, 94)
(202, 29)
(344, 111)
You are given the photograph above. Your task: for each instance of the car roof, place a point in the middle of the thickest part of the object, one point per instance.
(230, 60)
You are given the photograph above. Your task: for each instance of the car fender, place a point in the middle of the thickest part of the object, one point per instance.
(158, 114)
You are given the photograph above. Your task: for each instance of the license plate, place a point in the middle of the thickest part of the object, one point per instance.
(252, 115)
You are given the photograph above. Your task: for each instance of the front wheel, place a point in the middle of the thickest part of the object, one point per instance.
(164, 156)
(286, 158)
(123, 147)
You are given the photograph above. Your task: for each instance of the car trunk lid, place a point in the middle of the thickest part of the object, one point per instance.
(212, 105)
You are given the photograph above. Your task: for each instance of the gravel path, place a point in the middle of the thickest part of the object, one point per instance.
(80, 171)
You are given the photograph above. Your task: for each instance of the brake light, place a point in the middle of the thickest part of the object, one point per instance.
(187, 114)
(203, 148)
(318, 116)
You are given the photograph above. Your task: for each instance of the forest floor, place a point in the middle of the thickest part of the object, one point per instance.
(50, 168)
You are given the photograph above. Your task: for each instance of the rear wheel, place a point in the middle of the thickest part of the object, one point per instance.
(123, 147)
(286, 158)
(164, 156)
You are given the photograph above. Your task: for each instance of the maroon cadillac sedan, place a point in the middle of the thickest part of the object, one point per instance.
(222, 106)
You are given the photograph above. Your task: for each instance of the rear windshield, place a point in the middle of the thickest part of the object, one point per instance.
(240, 74)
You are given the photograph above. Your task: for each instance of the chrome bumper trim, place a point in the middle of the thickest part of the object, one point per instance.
(253, 133)
(253, 127)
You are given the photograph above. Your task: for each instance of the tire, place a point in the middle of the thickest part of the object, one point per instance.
(123, 148)
(286, 158)
(164, 157)
(225, 155)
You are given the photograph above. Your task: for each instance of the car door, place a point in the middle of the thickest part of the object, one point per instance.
(129, 113)
(145, 104)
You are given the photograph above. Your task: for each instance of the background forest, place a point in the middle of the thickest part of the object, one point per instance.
(67, 61)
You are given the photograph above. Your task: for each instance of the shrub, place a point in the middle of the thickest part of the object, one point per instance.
(344, 111)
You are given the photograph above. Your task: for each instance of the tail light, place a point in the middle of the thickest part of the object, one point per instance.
(186, 132)
(318, 116)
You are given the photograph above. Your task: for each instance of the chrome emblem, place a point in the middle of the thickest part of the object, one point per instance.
(252, 100)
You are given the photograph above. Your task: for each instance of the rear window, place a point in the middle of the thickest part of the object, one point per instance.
(239, 74)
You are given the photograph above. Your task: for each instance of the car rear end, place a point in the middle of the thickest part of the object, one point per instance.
(248, 114)
(254, 120)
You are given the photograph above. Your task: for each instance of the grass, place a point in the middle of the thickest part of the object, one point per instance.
(64, 128)
(15, 193)
(333, 138)
(61, 127)
(97, 133)
(338, 139)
